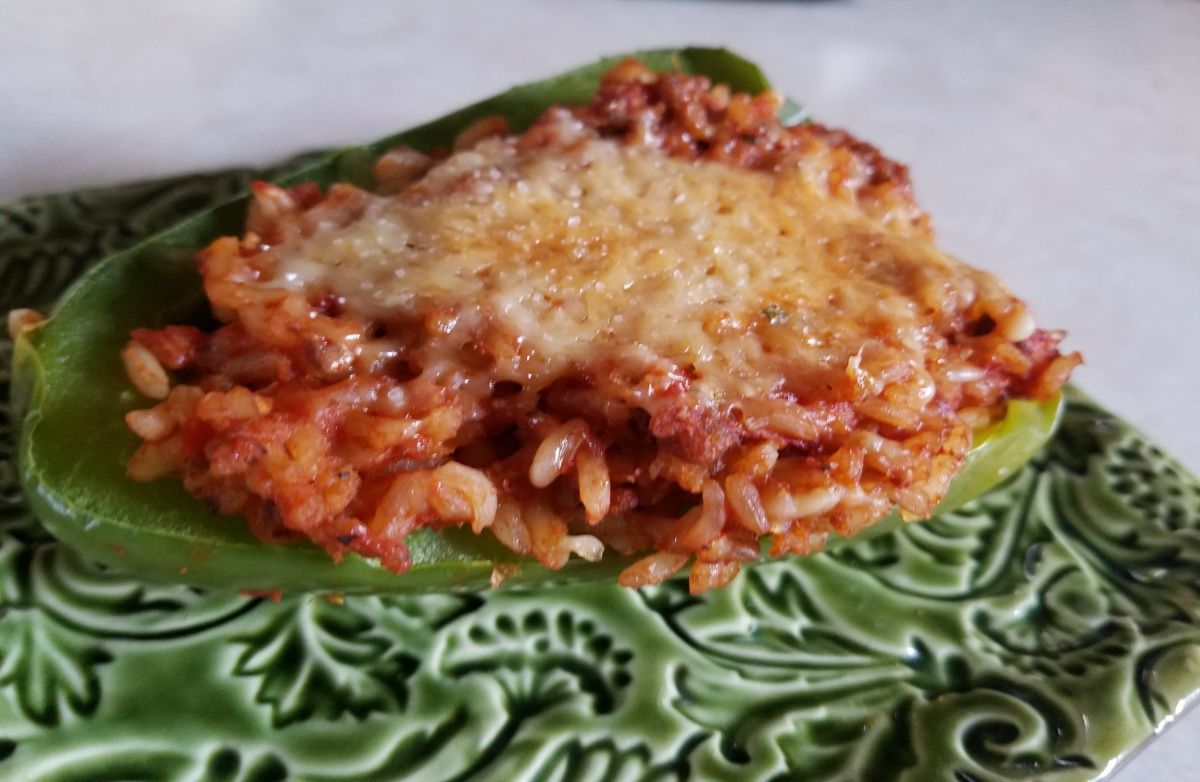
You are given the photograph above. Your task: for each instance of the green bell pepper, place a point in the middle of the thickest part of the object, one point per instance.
(71, 394)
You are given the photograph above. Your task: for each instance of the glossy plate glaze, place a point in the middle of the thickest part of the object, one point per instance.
(1043, 632)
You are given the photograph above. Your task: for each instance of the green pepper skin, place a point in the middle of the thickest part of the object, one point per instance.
(71, 395)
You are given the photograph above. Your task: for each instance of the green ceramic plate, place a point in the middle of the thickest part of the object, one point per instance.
(1043, 632)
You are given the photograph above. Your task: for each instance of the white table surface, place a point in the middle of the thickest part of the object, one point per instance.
(1055, 143)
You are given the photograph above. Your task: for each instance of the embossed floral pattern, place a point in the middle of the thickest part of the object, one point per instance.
(1040, 633)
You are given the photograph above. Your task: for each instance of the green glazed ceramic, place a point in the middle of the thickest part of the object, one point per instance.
(1042, 632)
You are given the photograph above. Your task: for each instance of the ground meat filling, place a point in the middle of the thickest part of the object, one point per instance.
(660, 324)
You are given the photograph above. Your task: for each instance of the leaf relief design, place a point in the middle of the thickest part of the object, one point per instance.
(49, 670)
(414, 751)
(540, 660)
(312, 658)
(998, 729)
(98, 601)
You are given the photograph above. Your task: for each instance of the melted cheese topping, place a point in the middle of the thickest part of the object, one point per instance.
(590, 254)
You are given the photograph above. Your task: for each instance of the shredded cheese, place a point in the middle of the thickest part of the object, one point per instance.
(592, 253)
